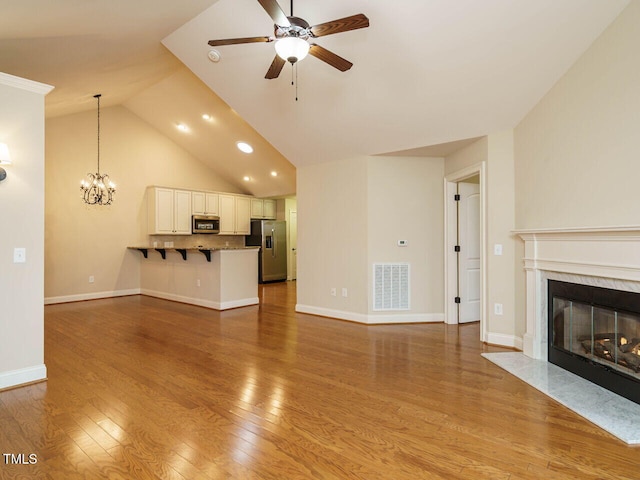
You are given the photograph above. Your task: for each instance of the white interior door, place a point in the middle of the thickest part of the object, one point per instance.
(293, 243)
(469, 256)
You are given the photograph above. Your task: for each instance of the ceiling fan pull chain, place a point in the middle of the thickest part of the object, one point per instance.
(296, 65)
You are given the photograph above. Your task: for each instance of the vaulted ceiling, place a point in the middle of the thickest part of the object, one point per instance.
(426, 72)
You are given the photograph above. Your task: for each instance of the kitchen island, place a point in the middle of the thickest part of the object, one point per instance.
(217, 278)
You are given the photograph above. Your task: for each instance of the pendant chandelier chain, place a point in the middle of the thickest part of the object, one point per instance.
(98, 97)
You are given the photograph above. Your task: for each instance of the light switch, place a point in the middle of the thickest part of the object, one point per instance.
(497, 249)
(19, 255)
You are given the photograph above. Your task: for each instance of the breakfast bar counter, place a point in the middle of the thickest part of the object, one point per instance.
(219, 278)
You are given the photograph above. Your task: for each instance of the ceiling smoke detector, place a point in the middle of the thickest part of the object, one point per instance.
(214, 56)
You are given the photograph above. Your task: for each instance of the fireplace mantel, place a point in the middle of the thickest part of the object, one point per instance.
(600, 256)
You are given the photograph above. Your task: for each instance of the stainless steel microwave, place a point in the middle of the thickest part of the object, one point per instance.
(205, 224)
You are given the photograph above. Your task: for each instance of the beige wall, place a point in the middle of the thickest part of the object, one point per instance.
(505, 329)
(465, 157)
(405, 202)
(577, 151)
(351, 214)
(83, 240)
(332, 236)
(22, 226)
(497, 151)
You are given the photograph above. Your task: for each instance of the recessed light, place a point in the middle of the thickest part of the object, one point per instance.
(207, 117)
(244, 147)
(274, 173)
(182, 127)
(246, 178)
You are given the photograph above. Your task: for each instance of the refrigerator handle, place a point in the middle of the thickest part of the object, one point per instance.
(275, 243)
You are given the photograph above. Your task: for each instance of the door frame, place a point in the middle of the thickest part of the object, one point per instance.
(450, 234)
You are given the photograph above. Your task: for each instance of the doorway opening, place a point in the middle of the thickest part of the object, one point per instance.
(465, 247)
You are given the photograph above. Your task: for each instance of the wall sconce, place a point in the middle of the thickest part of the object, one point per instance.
(5, 159)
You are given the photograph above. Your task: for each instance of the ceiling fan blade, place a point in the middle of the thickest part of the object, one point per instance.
(275, 68)
(342, 25)
(235, 41)
(275, 12)
(331, 58)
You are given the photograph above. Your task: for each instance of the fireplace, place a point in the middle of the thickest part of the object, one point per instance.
(594, 332)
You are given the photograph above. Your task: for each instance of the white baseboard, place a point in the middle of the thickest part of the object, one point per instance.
(372, 319)
(504, 340)
(22, 376)
(90, 296)
(244, 302)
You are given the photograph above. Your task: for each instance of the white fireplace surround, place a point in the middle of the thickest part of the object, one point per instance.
(603, 257)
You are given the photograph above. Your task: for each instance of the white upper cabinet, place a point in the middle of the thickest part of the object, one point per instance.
(263, 208)
(235, 215)
(204, 203)
(169, 211)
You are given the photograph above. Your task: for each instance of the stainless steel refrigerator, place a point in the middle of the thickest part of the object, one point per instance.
(271, 236)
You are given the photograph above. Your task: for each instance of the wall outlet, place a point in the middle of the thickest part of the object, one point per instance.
(168, 244)
(333, 291)
(19, 255)
(91, 279)
(497, 308)
(344, 291)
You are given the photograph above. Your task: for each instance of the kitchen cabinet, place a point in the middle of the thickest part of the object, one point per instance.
(169, 211)
(269, 209)
(263, 209)
(204, 203)
(235, 215)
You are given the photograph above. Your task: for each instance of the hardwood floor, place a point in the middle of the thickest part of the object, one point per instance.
(141, 388)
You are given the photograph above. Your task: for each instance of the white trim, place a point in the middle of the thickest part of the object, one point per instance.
(584, 230)
(243, 302)
(24, 84)
(504, 340)
(24, 375)
(371, 319)
(450, 270)
(90, 296)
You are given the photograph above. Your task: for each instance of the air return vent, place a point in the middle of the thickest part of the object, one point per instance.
(391, 286)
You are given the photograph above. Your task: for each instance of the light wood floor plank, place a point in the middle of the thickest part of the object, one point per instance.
(141, 388)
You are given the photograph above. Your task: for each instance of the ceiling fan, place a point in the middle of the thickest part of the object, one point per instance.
(293, 37)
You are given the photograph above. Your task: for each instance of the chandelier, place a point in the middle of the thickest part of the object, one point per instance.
(97, 189)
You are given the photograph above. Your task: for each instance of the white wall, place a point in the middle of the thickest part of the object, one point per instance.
(22, 200)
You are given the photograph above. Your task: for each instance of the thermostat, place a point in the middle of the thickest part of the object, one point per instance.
(403, 243)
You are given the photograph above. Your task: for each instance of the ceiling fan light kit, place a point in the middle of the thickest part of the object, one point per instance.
(292, 49)
(292, 38)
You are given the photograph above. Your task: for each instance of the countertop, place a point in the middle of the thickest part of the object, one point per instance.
(193, 248)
